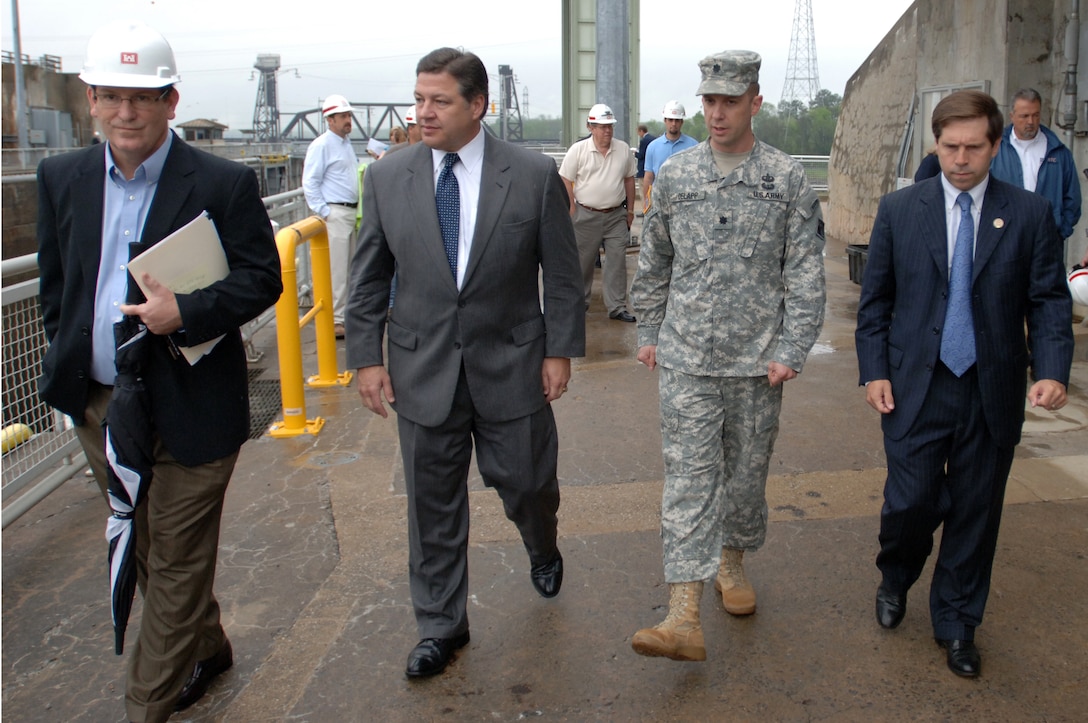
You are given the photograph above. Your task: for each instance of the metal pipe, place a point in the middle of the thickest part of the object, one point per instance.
(614, 63)
(22, 121)
(288, 325)
(1068, 108)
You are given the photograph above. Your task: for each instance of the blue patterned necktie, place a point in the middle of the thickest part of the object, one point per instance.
(958, 341)
(447, 198)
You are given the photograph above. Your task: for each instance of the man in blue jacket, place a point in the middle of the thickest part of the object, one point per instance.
(1032, 157)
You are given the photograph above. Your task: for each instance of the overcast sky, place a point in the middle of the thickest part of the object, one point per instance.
(364, 51)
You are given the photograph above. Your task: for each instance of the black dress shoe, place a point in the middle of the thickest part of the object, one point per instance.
(890, 608)
(204, 673)
(548, 577)
(432, 655)
(963, 657)
(621, 315)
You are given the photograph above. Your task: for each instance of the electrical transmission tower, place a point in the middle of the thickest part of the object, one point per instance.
(510, 128)
(266, 113)
(802, 73)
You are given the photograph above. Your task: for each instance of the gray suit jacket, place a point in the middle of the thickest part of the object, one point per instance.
(494, 326)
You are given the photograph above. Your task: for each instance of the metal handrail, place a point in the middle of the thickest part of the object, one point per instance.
(289, 326)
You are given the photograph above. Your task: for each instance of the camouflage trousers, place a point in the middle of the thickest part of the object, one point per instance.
(717, 436)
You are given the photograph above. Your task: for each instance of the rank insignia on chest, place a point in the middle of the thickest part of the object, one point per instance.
(723, 220)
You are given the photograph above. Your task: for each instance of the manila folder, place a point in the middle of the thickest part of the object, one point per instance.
(191, 258)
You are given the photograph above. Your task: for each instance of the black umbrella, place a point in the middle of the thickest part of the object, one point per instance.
(129, 453)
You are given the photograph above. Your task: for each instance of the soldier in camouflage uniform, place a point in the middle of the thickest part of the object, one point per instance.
(729, 296)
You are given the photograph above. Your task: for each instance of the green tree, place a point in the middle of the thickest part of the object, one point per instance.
(799, 130)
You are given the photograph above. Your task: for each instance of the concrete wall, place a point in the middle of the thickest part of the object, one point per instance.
(1002, 44)
(19, 218)
(46, 89)
(875, 108)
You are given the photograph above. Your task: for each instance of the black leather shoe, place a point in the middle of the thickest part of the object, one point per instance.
(621, 315)
(204, 673)
(548, 577)
(963, 657)
(432, 655)
(890, 608)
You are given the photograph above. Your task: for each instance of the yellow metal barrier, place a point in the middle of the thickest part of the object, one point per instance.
(289, 326)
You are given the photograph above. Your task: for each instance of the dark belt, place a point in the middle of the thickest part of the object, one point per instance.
(599, 210)
(342, 203)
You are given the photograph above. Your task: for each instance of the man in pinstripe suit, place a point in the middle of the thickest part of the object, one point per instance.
(950, 427)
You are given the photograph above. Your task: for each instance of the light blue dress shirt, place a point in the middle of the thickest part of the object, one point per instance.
(125, 206)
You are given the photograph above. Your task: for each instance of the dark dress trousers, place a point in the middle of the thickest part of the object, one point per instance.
(465, 365)
(949, 441)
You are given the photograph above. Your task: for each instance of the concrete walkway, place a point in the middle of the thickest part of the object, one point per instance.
(313, 583)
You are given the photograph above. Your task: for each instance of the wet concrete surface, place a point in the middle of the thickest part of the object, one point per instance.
(313, 560)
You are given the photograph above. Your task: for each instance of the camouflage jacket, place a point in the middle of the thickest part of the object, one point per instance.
(730, 271)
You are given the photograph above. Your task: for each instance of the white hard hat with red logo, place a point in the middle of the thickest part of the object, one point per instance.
(674, 109)
(1078, 284)
(129, 54)
(335, 104)
(410, 115)
(602, 115)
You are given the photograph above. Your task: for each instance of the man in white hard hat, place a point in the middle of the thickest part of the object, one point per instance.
(599, 173)
(331, 183)
(415, 135)
(97, 207)
(664, 146)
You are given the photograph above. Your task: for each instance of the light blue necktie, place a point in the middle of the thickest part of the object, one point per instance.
(958, 341)
(447, 198)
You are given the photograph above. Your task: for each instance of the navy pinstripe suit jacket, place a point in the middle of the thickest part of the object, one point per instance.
(1018, 278)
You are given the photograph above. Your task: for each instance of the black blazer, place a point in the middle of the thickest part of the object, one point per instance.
(1017, 277)
(201, 412)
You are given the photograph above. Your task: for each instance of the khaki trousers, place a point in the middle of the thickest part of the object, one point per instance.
(340, 225)
(590, 229)
(177, 541)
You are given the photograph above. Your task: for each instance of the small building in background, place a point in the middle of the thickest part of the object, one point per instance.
(202, 131)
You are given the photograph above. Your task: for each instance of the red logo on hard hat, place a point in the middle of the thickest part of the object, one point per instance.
(130, 59)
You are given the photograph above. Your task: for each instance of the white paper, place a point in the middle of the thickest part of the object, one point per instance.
(191, 258)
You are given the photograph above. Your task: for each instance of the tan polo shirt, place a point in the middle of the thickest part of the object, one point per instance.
(598, 178)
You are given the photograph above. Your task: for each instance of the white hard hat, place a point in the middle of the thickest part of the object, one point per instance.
(602, 115)
(1078, 284)
(129, 54)
(335, 104)
(410, 115)
(673, 109)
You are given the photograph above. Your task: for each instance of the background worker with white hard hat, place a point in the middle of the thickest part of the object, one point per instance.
(599, 173)
(664, 146)
(415, 133)
(96, 206)
(330, 182)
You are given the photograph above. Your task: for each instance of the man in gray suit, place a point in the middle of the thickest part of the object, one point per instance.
(470, 224)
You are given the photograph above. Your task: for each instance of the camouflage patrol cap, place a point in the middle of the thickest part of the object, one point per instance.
(729, 72)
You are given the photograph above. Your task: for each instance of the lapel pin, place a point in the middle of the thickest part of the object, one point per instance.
(999, 223)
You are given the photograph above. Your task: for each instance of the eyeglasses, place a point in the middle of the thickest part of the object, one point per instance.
(140, 101)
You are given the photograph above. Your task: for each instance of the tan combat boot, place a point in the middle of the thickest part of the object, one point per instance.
(738, 595)
(679, 636)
